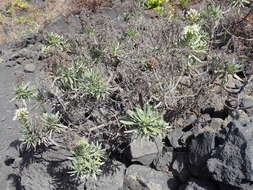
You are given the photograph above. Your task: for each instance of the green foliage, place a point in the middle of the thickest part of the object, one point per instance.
(239, 3)
(87, 160)
(212, 11)
(193, 16)
(51, 122)
(57, 41)
(89, 31)
(154, 3)
(31, 138)
(231, 69)
(194, 38)
(148, 121)
(25, 92)
(24, 19)
(80, 77)
(131, 32)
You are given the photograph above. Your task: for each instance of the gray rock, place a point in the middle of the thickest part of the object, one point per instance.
(36, 177)
(69, 25)
(109, 181)
(145, 178)
(217, 124)
(232, 163)
(195, 184)
(163, 162)
(179, 167)
(144, 150)
(199, 151)
(174, 137)
(29, 68)
(246, 103)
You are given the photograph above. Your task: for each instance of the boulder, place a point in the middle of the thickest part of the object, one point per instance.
(195, 184)
(113, 180)
(180, 168)
(246, 103)
(232, 162)
(145, 150)
(145, 178)
(174, 136)
(163, 162)
(199, 150)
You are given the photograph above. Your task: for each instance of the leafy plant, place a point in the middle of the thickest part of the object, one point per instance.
(239, 3)
(80, 77)
(194, 38)
(31, 138)
(154, 3)
(193, 16)
(51, 122)
(56, 40)
(131, 32)
(231, 69)
(25, 92)
(89, 31)
(148, 121)
(16, 5)
(87, 160)
(212, 11)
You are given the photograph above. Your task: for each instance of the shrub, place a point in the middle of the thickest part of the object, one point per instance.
(239, 3)
(149, 122)
(57, 41)
(31, 138)
(194, 38)
(81, 78)
(87, 160)
(25, 92)
(51, 122)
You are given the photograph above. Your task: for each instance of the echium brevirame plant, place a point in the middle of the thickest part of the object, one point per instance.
(87, 160)
(231, 68)
(239, 3)
(57, 41)
(156, 5)
(194, 38)
(51, 122)
(212, 11)
(80, 77)
(25, 92)
(193, 16)
(148, 122)
(31, 138)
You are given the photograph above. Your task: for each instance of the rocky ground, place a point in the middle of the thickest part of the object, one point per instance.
(208, 147)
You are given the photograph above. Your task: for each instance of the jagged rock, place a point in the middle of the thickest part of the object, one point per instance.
(163, 162)
(109, 181)
(246, 103)
(232, 162)
(179, 167)
(144, 178)
(195, 184)
(174, 137)
(217, 124)
(199, 151)
(145, 150)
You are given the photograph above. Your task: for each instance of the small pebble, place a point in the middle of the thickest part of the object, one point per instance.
(29, 68)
